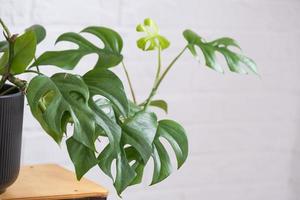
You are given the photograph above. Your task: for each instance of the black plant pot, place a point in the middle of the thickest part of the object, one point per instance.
(11, 122)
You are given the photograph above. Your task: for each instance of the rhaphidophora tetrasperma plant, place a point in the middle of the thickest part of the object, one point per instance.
(96, 105)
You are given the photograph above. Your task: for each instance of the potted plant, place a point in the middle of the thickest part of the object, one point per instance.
(95, 104)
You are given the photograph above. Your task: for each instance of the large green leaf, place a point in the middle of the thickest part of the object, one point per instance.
(40, 32)
(24, 51)
(109, 56)
(176, 136)
(236, 62)
(105, 83)
(83, 157)
(53, 100)
(139, 132)
(153, 40)
(125, 174)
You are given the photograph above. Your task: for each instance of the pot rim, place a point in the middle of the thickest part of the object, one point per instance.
(17, 94)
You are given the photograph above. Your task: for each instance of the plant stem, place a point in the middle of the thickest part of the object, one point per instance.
(10, 59)
(32, 71)
(157, 84)
(21, 84)
(158, 66)
(129, 82)
(37, 67)
(6, 30)
(18, 82)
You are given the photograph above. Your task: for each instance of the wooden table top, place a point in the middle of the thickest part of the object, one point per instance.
(50, 181)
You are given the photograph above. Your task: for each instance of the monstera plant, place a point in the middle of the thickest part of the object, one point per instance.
(95, 104)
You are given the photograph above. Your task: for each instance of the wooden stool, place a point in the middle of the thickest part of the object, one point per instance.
(45, 182)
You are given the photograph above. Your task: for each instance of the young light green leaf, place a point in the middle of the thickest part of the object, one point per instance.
(40, 32)
(236, 62)
(50, 99)
(24, 51)
(109, 56)
(153, 40)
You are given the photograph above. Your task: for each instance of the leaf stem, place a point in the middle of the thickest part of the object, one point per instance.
(157, 84)
(32, 71)
(10, 39)
(129, 83)
(158, 66)
(6, 30)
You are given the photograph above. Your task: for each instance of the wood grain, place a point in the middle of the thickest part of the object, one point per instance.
(50, 181)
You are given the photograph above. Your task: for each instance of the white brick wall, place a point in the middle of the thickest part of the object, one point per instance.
(243, 130)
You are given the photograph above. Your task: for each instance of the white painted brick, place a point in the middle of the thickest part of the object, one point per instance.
(70, 12)
(238, 137)
(241, 15)
(274, 191)
(15, 12)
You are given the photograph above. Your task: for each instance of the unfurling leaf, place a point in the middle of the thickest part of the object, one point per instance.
(236, 62)
(109, 56)
(152, 40)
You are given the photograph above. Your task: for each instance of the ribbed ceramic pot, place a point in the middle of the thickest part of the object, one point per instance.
(11, 122)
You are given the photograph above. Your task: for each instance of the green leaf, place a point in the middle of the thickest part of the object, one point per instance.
(83, 157)
(24, 51)
(153, 40)
(113, 151)
(176, 136)
(162, 104)
(40, 32)
(105, 83)
(162, 163)
(236, 62)
(125, 174)
(139, 131)
(138, 166)
(3, 61)
(109, 56)
(107, 107)
(52, 99)
(3, 46)
(133, 108)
